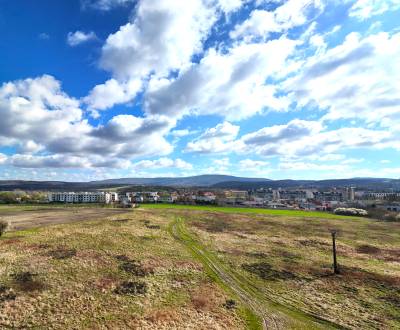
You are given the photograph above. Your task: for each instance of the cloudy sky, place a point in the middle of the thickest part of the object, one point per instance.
(93, 89)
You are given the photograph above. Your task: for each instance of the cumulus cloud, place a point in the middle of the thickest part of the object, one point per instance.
(112, 92)
(306, 138)
(253, 165)
(290, 14)
(163, 36)
(296, 139)
(178, 133)
(338, 169)
(364, 9)
(229, 6)
(65, 161)
(227, 84)
(79, 37)
(39, 117)
(220, 138)
(353, 80)
(154, 42)
(163, 163)
(293, 130)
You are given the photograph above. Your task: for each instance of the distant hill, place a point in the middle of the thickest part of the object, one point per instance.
(206, 180)
(200, 181)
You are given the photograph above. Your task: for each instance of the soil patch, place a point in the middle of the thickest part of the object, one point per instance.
(62, 253)
(266, 272)
(6, 294)
(131, 288)
(133, 267)
(25, 281)
(368, 249)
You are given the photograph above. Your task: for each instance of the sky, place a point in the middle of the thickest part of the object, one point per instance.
(279, 89)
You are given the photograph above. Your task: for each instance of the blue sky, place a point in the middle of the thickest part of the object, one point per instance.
(301, 89)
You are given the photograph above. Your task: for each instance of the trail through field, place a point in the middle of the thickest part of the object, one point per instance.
(272, 314)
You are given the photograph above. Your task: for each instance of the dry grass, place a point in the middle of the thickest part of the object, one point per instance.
(289, 259)
(112, 273)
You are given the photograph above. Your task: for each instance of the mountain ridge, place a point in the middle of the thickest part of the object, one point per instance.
(211, 181)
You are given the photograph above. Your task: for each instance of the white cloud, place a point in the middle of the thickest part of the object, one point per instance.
(294, 140)
(293, 130)
(307, 166)
(78, 37)
(364, 9)
(162, 37)
(153, 43)
(112, 92)
(220, 138)
(368, 89)
(3, 158)
(290, 14)
(303, 139)
(222, 162)
(163, 163)
(39, 117)
(178, 133)
(29, 146)
(105, 5)
(229, 6)
(230, 85)
(253, 165)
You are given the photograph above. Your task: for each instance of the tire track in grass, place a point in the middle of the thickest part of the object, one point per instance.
(271, 314)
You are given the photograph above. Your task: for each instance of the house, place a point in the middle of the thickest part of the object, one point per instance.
(204, 197)
(232, 197)
(166, 197)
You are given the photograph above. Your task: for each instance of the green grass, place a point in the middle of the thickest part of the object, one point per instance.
(292, 213)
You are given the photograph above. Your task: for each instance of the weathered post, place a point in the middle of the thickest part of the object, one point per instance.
(335, 266)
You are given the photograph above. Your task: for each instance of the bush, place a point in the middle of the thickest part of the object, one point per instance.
(350, 211)
(3, 226)
(382, 214)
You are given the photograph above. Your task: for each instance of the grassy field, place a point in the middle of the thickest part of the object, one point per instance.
(124, 271)
(288, 260)
(163, 267)
(250, 210)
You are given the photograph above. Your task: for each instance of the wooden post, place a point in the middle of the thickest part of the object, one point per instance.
(335, 266)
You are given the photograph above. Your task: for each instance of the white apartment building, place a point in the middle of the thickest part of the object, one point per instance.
(83, 197)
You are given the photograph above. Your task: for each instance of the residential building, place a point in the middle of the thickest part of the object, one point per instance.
(80, 197)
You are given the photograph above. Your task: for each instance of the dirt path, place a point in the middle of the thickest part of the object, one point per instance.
(272, 315)
(26, 219)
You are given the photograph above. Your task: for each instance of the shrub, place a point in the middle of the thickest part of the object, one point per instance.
(350, 211)
(3, 226)
(230, 304)
(131, 288)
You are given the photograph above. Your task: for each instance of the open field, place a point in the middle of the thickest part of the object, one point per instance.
(198, 268)
(31, 217)
(246, 210)
(124, 271)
